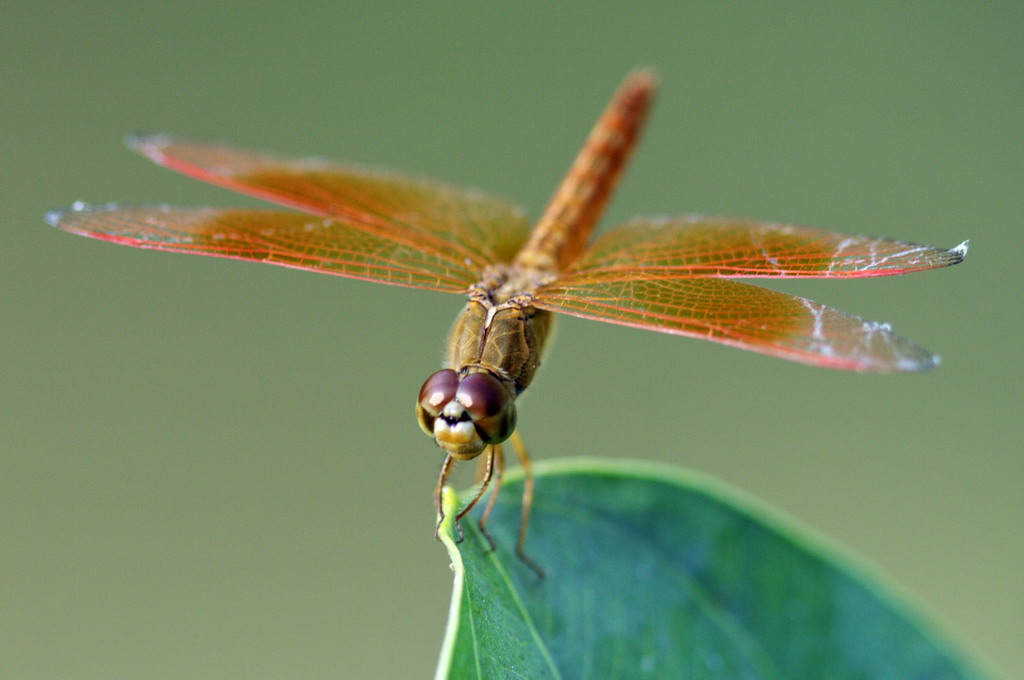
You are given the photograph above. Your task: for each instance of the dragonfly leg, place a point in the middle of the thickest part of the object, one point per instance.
(493, 452)
(499, 455)
(524, 517)
(446, 468)
(482, 465)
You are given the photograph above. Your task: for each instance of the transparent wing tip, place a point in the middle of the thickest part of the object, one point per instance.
(53, 217)
(918, 364)
(960, 251)
(56, 218)
(149, 144)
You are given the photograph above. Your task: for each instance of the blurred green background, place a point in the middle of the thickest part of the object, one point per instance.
(211, 469)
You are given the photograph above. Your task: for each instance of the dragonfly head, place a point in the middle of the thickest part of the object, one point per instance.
(465, 414)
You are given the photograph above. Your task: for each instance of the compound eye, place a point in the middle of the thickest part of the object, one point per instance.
(489, 405)
(437, 390)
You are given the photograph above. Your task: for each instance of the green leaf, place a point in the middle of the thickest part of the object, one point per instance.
(655, 572)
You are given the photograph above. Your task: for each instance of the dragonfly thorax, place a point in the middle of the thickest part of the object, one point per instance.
(500, 333)
(500, 283)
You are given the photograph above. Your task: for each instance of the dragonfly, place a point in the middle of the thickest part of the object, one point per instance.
(675, 275)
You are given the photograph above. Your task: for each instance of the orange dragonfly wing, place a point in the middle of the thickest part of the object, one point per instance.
(276, 237)
(738, 314)
(361, 224)
(721, 246)
(668, 276)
